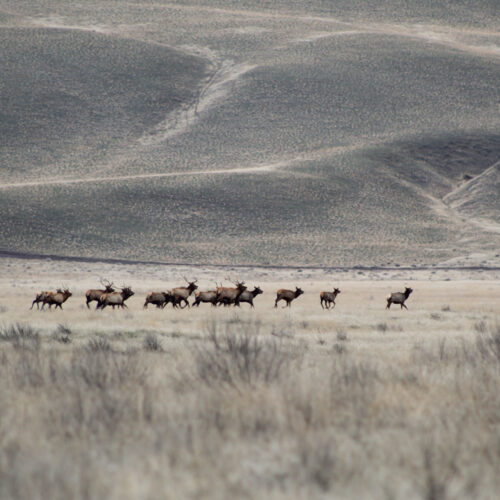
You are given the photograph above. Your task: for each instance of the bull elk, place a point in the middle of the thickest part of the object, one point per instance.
(248, 296)
(159, 299)
(398, 298)
(287, 295)
(228, 295)
(327, 299)
(115, 299)
(95, 293)
(182, 293)
(40, 296)
(56, 298)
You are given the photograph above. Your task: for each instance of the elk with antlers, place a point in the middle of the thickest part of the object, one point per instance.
(287, 295)
(95, 294)
(57, 298)
(228, 295)
(181, 294)
(328, 298)
(115, 299)
(159, 299)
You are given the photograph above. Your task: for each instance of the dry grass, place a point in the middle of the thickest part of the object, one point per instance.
(236, 412)
(359, 402)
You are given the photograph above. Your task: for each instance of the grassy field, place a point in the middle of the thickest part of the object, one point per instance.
(357, 402)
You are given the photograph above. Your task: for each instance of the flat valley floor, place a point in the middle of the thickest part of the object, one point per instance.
(355, 402)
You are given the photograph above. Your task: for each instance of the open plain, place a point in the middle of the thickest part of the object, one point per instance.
(355, 402)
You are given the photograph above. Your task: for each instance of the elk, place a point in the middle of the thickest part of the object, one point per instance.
(95, 294)
(115, 298)
(182, 293)
(398, 298)
(208, 296)
(227, 295)
(328, 298)
(56, 298)
(159, 299)
(248, 296)
(287, 295)
(40, 296)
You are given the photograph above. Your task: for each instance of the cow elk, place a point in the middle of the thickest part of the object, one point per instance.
(287, 296)
(228, 295)
(56, 298)
(182, 293)
(40, 296)
(327, 299)
(398, 298)
(95, 293)
(115, 299)
(210, 296)
(248, 296)
(159, 299)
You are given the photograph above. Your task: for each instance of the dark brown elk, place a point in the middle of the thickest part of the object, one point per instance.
(39, 298)
(228, 295)
(159, 299)
(287, 295)
(56, 299)
(327, 299)
(398, 298)
(95, 294)
(248, 296)
(210, 296)
(182, 293)
(115, 299)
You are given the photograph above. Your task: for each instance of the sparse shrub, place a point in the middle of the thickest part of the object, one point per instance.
(382, 327)
(488, 342)
(21, 336)
(445, 308)
(240, 357)
(480, 327)
(152, 343)
(435, 316)
(63, 339)
(98, 344)
(63, 329)
(339, 348)
(341, 336)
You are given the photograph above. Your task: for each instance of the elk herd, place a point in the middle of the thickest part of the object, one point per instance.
(178, 297)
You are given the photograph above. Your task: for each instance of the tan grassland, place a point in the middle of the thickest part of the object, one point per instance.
(357, 402)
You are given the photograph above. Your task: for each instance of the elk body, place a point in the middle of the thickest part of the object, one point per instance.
(287, 295)
(210, 296)
(56, 298)
(248, 296)
(115, 299)
(228, 295)
(398, 298)
(159, 299)
(40, 296)
(327, 299)
(182, 293)
(95, 294)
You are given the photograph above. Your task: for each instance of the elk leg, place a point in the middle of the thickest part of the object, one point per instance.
(402, 305)
(388, 304)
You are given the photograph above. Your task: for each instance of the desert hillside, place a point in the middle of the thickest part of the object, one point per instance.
(338, 133)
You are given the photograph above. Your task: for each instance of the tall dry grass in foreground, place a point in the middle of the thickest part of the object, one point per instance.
(236, 413)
